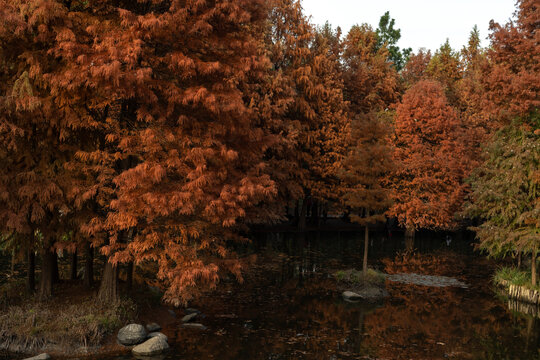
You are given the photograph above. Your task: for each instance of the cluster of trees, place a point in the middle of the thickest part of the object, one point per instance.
(157, 131)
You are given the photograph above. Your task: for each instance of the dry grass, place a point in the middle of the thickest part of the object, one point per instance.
(35, 325)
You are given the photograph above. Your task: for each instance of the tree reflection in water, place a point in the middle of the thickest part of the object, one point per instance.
(289, 308)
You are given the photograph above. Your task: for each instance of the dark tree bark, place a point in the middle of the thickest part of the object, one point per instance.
(108, 289)
(13, 261)
(31, 275)
(74, 265)
(302, 215)
(533, 268)
(88, 265)
(409, 238)
(55, 272)
(129, 277)
(46, 278)
(366, 247)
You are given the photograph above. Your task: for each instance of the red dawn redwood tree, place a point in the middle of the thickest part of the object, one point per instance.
(428, 184)
(363, 173)
(197, 155)
(512, 79)
(314, 123)
(32, 151)
(371, 85)
(415, 68)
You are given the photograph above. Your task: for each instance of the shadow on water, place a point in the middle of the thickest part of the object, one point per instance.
(289, 308)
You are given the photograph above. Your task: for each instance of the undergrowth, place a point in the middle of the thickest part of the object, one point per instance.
(34, 325)
(515, 277)
(357, 277)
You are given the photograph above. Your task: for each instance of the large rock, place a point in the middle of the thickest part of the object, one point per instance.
(154, 334)
(131, 334)
(153, 327)
(194, 326)
(40, 357)
(153, 346)
(189, 317)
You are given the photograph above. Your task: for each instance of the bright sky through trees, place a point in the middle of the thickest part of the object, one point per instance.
(423, 23)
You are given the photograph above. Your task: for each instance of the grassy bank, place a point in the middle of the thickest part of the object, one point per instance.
(353, 276)
(511, 276)
(34, 326)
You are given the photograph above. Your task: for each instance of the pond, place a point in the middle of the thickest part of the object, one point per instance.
(288, 308)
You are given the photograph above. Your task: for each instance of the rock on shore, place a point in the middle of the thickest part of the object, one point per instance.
(131, 334)
(153, 346)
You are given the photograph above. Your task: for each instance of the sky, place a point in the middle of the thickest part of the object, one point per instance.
(423, 23)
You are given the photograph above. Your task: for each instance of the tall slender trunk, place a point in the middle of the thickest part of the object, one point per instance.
(13, 261)
(302, 215)
(533, 268)
(46, 278)
(74, 265)
(409, 238)
(88, 265)
(314, 212)
(519, 260)
(129, 277)
(108, 290)
(366, 247)
(31, 276)
(55, 271)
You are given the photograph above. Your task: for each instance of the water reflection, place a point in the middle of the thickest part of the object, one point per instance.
(289, 308)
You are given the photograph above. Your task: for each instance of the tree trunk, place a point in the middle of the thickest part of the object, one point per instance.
(302, 215)
(55, 272)
(129, 277)
(13, 260)
(409, 238)
(31, 276)
(74, 265)
(108, 290)
(366, 247)
(46, 278)
(88, 265)
(533, 268)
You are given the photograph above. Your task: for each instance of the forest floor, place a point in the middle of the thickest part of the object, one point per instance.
(73, 322)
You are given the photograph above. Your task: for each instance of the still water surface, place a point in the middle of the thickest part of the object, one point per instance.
(288, 308)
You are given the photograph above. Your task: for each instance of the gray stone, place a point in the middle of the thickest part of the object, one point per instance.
(153, 327)
(131, 334)
(349, 295)
(191, 311)
(194, 326)
(153, 346)
(43, 356)
(154, 334)
(189, 317)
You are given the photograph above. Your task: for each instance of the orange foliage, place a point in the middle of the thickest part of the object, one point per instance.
(512, 80)
(428, 184)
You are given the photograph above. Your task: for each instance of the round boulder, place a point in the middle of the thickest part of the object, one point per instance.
(131, 334)
(158, 334)
(153, 346)
(153, 327)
